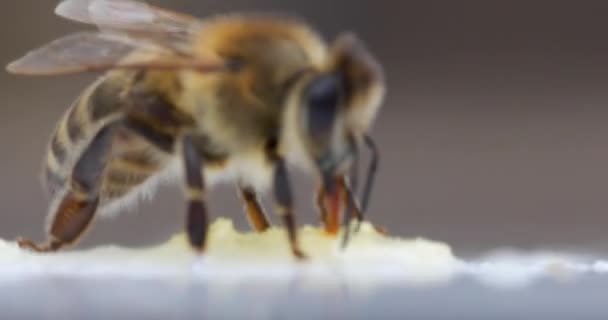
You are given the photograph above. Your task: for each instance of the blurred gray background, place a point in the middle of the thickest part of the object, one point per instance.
(493, 133)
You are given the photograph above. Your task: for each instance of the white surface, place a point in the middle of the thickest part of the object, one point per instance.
(370, 260)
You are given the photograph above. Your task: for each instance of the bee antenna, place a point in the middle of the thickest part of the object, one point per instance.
(371, 175)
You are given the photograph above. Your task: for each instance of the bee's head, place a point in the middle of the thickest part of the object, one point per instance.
(330, 110)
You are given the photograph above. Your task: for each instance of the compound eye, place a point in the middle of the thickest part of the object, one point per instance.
(323, 97)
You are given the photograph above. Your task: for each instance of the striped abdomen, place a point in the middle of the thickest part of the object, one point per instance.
(75, 130)
(129, 162)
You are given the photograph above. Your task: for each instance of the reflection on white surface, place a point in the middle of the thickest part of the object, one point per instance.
(370, 259)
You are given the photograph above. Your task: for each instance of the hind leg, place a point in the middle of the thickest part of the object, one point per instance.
(77, 206)
(284, 202)
(73, 216)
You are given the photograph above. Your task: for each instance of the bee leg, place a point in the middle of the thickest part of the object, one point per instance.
(371, 174)
(349, 198)
(349, 186)
(319, 198)
(74, 215)
(282, 192)
(76, 209)
(354, 210)
(196, 221)
(255, 213)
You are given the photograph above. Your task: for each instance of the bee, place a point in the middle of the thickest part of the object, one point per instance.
(229, 98)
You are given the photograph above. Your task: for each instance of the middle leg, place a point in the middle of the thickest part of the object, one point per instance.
(282, 191)
(255, 213)
(197, 221)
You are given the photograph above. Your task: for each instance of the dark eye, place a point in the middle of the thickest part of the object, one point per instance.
(323, 96)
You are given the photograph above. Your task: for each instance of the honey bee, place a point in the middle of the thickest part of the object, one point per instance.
(230, 98)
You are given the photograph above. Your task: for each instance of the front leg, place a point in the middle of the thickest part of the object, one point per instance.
(196, 221)
(282, 192)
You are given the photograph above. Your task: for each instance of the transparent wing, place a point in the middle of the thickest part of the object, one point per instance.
(133, 19)
(94, 51)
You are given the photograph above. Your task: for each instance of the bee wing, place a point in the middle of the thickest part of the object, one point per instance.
(94, 51)
(134, 19)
